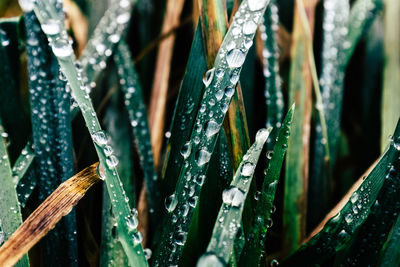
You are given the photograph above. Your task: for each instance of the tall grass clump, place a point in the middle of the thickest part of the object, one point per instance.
(126, 129)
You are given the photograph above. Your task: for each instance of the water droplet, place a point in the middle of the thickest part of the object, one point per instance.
(234, 78)
(100, 138)
(220, 73)
(248, 169)
(262, 135)
(100, 172)
(123, 18)
(26, 5)
(186, 150)
(137, 238)
(202, 157)
(51, 27)
(209, 260)
(235, 58)
(229, 91)
(354, 197)
(208, 76)
(212, 127)
(147, 253)
(180, 238)
(348, 218)
(233, 196)
(61, 48)
(132, 223)
(274, 263)
(249, 27)
(270, 154)
(255, 5)
(112, 161)
(108, 150)
(171, 202)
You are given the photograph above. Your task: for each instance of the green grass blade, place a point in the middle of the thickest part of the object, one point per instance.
(390, 254)
(10, 212)
(229, 218)
(336, 15)
(116, 120)
(391, 91)
(187, 105)
(101, 45)
(362, 14)
(220, 86)
(254, 246)
(24, 177)
(136, 108)
(382, 216)
(273, 91)
(337, 232)
(300, 92)
(129, 237)
(51, 126)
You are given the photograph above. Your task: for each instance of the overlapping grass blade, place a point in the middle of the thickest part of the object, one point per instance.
(391, 93)
(336, 14)
(117, 123)
(390, 254)
(338, 230)
(134, 103)
(373, 233)
(46, 216)
(186, 106)
(24, 177)
(254, 246)
(229, 218)
(51, 127)
(10, 212)
(126, 221)
(273, 91)
(300, 92)
(220, 84)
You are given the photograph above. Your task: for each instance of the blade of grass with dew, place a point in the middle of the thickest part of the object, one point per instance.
(214, 23)
(390, 254)
(10, 212)
(197, 153)
(15, 120)
(158, 99)
(254, 246)
(383, 214)
(300, 87)
(24, 177)
(337, 232)
(117, 123)
(128, 235)
(51, 127)
(46, 216)
(391, 92)
(187, 105)
(335, 21)
(229, 217)
(362, 14)
(270, 59)
(134, 103)
(101, 45)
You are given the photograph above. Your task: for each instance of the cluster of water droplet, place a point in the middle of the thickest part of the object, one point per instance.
(108, 32)
(273, 92)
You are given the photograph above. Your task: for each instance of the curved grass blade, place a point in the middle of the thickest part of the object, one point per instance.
(300, 92)
(46, 216)
(10, 212)
(229, 218)
(336, 15)
(382, 216)
(51, 127)
(24, 177)
(127, 222)
(270, 53)
(390, 254)
(254, 246)
(391, 93)
(135, 106)
(337, 232)
(220, 86)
